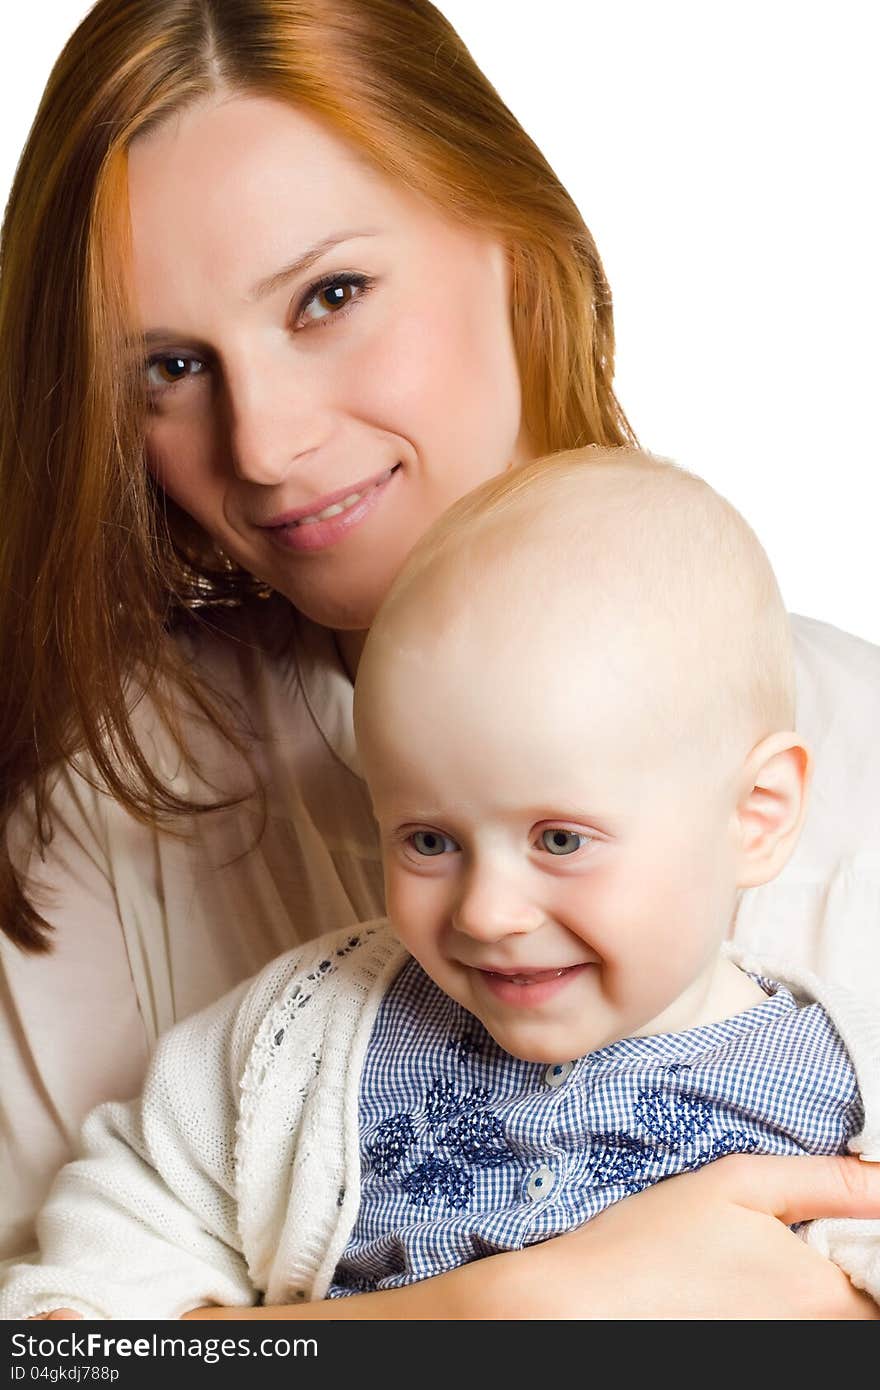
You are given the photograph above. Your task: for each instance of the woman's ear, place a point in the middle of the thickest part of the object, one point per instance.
(771, 806)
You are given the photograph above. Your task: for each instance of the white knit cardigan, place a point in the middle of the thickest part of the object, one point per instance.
(236, 1176)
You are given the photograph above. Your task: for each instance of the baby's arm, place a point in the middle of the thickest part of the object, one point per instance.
(143, 1224)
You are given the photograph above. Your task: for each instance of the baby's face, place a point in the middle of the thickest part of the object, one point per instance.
(552, 864)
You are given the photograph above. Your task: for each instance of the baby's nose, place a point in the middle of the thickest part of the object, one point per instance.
(491, 908)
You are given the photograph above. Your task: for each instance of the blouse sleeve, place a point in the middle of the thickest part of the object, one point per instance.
(71, 1029)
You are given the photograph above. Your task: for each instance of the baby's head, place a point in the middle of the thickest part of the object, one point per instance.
(575, 715)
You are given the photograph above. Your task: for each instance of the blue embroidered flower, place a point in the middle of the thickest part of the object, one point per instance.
(463, 1046)
(478, 1137)
(456, 1123)
(672, 1120)
(673, 1126)
(443, 1101)
(436, 1177)
(623, 1163)
(733, 1141)
(394, 1138)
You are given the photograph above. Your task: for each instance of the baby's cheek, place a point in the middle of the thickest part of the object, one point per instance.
(413, 905)
(597, 905)
(639, 924)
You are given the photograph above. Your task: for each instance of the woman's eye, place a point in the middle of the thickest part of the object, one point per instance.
(163, 372)
(563, 841)
(431, 842)
(328, 298)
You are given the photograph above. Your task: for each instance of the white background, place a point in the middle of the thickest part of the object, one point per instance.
(724, 154)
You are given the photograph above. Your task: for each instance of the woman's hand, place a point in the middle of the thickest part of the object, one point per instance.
(714, 1244)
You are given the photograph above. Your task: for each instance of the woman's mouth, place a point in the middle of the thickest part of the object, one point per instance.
(316, 530)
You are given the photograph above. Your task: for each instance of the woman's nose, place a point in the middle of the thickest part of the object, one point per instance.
(271, 425)
(493, 905)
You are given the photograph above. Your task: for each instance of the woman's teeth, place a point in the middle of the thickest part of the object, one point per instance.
(336, 508)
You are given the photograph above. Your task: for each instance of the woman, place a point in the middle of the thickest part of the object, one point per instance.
(281, 281)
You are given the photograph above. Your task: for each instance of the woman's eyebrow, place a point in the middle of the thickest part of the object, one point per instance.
(303, 262)
(272, 282)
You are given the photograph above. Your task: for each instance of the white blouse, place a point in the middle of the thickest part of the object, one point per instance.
(150, 925)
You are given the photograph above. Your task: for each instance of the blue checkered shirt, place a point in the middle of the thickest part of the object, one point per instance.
(466, 1151)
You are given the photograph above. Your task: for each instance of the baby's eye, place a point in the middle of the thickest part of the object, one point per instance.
(563, 841)
(330, 296)
(163, 372)
(431, 842)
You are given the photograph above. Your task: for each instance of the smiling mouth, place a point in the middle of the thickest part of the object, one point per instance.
(343, 504)
(532, 977)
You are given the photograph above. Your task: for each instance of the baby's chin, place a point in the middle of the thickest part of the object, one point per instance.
(545, 1052)
(547, 1046)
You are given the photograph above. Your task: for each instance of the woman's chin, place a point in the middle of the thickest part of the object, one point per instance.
(339, 616)
(350, 609)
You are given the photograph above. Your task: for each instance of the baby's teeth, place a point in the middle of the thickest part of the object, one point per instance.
(530, 979)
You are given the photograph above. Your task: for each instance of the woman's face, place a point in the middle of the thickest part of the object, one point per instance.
(321, 341)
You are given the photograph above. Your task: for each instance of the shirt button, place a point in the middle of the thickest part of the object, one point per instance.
(556, 1074)
(540, 1183)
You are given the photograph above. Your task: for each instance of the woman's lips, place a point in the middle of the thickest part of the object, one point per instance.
(529, 988)
(332, 517)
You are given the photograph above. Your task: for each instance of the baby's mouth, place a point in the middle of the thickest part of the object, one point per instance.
(530, 977)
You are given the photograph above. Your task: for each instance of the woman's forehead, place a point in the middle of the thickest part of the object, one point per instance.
(238, 158)
(236, 190)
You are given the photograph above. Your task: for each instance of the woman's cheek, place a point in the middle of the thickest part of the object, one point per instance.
(398, 368)
(427, 378)
(179, 457)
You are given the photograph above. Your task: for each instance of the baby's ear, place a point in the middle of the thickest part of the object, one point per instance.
(771, 806)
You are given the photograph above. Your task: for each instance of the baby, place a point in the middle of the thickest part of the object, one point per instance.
(575, 715)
